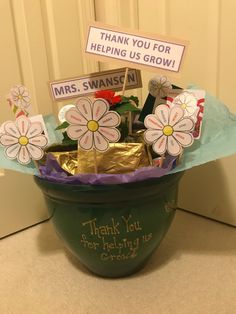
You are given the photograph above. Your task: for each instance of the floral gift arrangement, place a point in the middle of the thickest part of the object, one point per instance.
(109, 170)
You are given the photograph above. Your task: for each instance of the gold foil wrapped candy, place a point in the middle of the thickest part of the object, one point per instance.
(120, 158)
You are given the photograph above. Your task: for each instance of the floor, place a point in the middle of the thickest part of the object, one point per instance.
(193, 271)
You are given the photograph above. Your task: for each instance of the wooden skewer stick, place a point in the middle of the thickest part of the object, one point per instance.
(162, 160)
(125, 81)
(123, 93)
(77, 168)
(95, 161)
(130, 123)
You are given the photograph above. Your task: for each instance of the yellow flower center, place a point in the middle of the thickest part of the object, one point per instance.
(23, 140)
(168, 130)
(183, 106)
(93, 125)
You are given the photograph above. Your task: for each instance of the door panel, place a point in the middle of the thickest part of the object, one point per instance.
(42, 42)
(210, 64)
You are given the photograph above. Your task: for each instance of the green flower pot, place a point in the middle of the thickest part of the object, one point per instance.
(112, 229)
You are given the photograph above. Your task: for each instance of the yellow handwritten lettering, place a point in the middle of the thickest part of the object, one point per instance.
(89, 244)
(131, 227)
(99, 231)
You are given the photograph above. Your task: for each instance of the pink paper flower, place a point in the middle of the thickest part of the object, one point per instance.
(92, 124)
(19, 95)
(159, 86)
(23, 140)
(188, 102)
(168, 130)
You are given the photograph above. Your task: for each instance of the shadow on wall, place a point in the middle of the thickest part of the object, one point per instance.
(209, 190)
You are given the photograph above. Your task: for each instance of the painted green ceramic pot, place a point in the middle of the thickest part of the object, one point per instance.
(112, 229)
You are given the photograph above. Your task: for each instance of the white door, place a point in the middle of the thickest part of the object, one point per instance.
(40, 41)
(21, 204)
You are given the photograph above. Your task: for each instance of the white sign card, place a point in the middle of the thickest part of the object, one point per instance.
(89, 84)
(39, 119)
(151, 52)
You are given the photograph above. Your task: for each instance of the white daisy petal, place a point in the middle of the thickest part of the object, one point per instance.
(159, 86)
(152, 87)
(76, 131)
(26, 98)
(73, 116)
(35, 128)
(110, 119)
(111, 134)
(99, 108)
(100, 143)
(190, 110)
(26, 102)
(21, 89)
(184, 125)
(164, 91)
(173, 147)
(185, 139)
(12, 151)
(152, 135)
(180, 99)
(14, 92)
(2, 127)
(39, 140)
(23, 124)
(84, 105)
(86, 141)
(24, 93)
(13, 98)
(21, 103)
(162, 112)
(151, 121)
(7, 140)
(160, 145)
(190, 99)
(11, 129)
(163, 80)
(176, 113)
(23, 156)
(35, 152)
(187, 102)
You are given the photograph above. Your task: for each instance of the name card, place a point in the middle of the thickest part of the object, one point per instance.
(135, 49)
(89, 84)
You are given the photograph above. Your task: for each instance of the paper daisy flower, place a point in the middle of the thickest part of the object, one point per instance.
(159, 86)
(188, 102)
(168, 130)
(19, 95)
(23, 140)
(92, 124)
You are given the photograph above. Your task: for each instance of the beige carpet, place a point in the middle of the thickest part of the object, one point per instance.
(193, 271)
